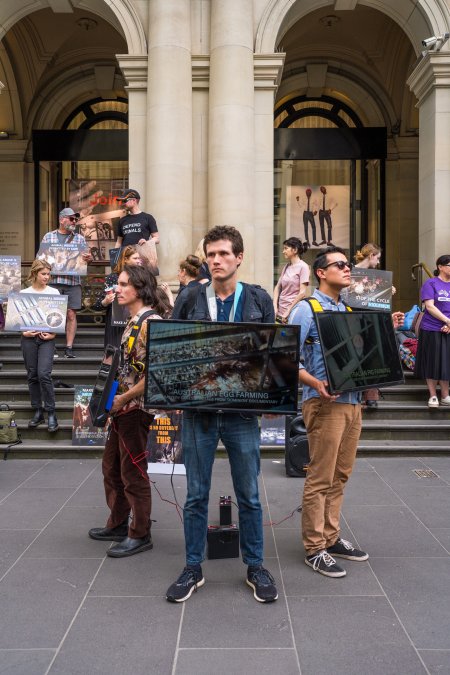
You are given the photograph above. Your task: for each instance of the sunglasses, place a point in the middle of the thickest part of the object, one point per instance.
(340, 264)
(73, 219)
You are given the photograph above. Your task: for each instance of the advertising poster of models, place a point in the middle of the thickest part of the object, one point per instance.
(83, 431)
(164, 444)
(9, 275)
(272, 430)
(319, 214)
(203, 365)
(370, 289)
(32, 311)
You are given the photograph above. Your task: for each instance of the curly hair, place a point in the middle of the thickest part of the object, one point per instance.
(225, 232)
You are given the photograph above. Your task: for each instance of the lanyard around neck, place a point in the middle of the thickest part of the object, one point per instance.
(212, 301)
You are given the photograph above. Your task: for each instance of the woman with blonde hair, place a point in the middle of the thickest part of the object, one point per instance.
(129, 255)
(203, 275)
(38, 349)
(368, 257)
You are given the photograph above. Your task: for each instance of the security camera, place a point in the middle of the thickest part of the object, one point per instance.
(429, 42)
(435, 41)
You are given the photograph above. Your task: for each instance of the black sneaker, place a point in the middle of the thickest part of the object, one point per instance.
(263, 584)
(68, 353)
(344, 549)
(323, 563)
(189, 580)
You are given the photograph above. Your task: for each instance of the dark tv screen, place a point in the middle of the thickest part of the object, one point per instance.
(359, 349)
(203, 365)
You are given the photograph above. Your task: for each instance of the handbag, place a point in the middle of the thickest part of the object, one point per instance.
(9, 434)
(416, 322)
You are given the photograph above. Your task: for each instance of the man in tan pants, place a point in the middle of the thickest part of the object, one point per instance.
(333, 424)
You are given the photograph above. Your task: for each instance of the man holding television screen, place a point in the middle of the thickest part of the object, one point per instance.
(223, 299)
(333, 424)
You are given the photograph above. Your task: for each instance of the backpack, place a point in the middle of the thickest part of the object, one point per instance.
(9, 434)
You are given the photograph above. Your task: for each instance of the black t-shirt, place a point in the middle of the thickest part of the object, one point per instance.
(133, 228)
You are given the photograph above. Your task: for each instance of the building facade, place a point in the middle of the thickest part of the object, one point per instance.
(230, 111)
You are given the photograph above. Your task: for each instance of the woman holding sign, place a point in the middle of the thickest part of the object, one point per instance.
(113, 334)
(38, 350)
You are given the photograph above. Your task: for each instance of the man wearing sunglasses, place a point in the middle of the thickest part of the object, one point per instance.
(69, 285)
(333, 424)
(136, 227)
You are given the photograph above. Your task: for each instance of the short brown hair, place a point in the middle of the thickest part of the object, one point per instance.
(225, 232)
(36, 267)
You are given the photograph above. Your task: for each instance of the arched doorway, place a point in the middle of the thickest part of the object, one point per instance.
(347, 69)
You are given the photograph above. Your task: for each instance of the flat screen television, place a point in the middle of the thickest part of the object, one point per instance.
(105, 387)
(211, 366)
(359, 349)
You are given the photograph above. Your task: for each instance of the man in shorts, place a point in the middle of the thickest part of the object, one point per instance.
(67, 284)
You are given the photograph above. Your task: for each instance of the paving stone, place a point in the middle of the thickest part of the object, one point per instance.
(25, 661)
(240, 621)
(67, 535)
(350, 636)
(39, 600)
(436, 660)
(120, 636)
(230, 661)
(12, 544)
(418, 592)
(63, 473)
(369, 489)
(32, 508)
(389, 531)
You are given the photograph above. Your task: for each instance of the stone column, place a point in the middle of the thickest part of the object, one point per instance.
(430, 82)
(134, 70)
(169, 130)
(231, 156)
(267, 73)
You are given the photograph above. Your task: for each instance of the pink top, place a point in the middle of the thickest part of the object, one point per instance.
(292, 276)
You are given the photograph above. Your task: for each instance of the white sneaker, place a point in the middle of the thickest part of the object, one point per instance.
(433, 402)
(445, 401)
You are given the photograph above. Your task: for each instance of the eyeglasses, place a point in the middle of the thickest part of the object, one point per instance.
(73, 219)
(340, 264)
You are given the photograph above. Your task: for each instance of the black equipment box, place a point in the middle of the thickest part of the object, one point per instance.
(222, 541)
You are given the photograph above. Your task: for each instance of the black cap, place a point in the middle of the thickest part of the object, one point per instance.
(129, 194)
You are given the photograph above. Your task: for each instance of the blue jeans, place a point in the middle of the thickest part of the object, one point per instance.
(240, 436)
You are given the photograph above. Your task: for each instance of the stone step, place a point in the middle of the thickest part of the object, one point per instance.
(63, 448)
(11, 348)
(379, 430)
(14, 377)
(15, 363)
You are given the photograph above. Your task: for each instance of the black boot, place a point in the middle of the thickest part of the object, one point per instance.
(37, 419)
(52, 422)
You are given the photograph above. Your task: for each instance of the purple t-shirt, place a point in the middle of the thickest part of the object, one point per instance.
(439, 291)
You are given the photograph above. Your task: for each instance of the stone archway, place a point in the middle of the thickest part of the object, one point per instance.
(417, 20)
